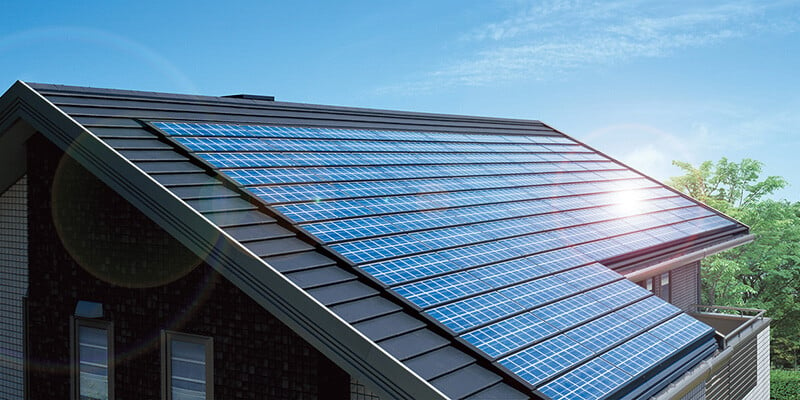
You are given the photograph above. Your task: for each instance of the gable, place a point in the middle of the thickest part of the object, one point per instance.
(272, 290)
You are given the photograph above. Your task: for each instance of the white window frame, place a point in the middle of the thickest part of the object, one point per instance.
(75, 324)
(166, 361)
(668, 286)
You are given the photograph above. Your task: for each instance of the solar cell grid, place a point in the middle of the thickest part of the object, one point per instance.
(474, 311)
(638, 354)
(510, 272)
(434, 291)
(495, 237)
(305, 212)
(579, 308)
(592, 380)
(286, 159)
(343, 173)
(603, 332)
(649, 311)
(619, 293)
(402, 270)
(509, 334)
(539, 291)
(441, 238)
(546, 359)
(681, 331)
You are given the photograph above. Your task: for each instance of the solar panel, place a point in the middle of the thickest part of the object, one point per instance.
(499, 238)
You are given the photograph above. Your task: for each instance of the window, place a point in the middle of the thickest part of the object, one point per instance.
(187, 367)
(647, 284)
(664, 293)
(92, 360)
(659, 285)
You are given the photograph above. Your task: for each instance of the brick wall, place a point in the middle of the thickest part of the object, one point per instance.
(88, 243)
(13, 285)
(685, 285)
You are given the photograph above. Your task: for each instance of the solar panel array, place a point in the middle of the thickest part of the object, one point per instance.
(498, 238)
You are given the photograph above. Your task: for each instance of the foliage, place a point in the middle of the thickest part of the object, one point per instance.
(763, 274)
(784, 384)
(726, 184)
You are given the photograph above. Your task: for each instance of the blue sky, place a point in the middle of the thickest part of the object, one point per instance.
(644, 81)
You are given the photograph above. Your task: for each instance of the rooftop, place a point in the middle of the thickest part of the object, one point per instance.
(476, 256)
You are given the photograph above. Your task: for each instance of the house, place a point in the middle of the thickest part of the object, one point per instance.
(190, 247)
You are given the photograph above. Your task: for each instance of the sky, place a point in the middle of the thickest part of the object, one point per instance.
(646, 82)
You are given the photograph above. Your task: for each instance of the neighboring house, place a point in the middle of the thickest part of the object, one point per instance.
(190, 247)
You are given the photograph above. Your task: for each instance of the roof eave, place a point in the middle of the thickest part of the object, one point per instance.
(672, 263)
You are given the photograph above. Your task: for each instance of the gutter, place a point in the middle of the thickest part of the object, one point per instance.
(672, 263)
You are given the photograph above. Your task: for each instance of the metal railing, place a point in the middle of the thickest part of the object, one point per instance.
(749, 316)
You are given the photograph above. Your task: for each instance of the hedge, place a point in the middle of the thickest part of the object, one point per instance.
(784, 384)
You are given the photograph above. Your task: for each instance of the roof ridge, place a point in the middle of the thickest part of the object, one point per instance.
(224, 99)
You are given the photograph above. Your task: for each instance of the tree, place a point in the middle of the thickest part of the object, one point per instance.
(726, 184)
(763, 274)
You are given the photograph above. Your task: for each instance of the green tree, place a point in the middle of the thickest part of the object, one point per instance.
(763, 274)
(726, 184)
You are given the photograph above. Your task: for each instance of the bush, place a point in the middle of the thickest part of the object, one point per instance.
(784, 384)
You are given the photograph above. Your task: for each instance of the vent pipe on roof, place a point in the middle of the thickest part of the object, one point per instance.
(251, 97)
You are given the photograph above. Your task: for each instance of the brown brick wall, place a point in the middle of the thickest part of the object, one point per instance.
(87, 243)
(684, 285)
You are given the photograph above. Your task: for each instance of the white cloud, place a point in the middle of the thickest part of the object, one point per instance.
(645, 148)
(548, 39)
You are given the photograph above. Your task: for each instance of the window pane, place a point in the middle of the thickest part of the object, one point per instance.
(188, 370)
(665, 288)
(188, 366)
(185, 394)
(188, 350)
(93, 363)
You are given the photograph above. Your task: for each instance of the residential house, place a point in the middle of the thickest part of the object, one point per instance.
(190, 247)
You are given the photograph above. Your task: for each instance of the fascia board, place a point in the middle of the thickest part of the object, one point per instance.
(327, 332)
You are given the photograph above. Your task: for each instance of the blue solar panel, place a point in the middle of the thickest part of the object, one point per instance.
(474, 311)
(509, 334)
(433, 291)
(595, 379)
(498, 237)
(546, 359)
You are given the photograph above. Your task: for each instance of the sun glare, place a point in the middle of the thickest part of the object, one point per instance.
(628, 202)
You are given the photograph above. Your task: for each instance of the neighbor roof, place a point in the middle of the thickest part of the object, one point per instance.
(430, 255)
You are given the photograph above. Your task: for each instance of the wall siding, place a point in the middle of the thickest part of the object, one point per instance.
(13, 286)
(359, 391)
(99, 250)
(761, 391)
(738, 376)
(698, 393)
(685, 285)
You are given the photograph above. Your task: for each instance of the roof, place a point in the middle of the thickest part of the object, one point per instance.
(431, 255)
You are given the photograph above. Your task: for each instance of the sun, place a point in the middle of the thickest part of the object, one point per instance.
(628, 202)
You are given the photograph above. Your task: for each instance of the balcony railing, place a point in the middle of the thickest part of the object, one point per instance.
(731, 323)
